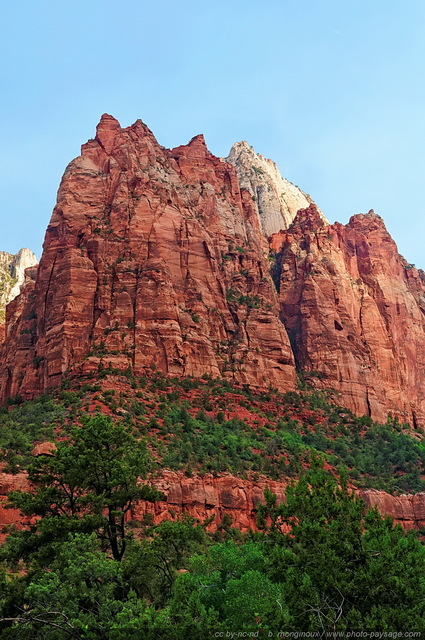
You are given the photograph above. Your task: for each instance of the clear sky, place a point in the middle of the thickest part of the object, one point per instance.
(332, 90)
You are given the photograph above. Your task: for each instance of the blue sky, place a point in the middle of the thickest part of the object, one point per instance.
(332, 90)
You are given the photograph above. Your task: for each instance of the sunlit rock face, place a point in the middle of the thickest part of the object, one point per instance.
(153, 258)
(354, 310)
(276, 200)
(161, 259)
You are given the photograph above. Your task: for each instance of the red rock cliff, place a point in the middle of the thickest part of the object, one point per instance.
(155, 258)
(203, 497)
(152, 258)
(354, 310)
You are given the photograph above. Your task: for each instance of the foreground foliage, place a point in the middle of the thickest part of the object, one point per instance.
(88, 484)
(316, 564)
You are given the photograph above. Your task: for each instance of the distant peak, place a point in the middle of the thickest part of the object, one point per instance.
(308, 219)
(277, 200)
(198, 140)
(26, 252)
(198, 145)
(106, 131)
(243, 144)
(195, 148)
(142, 129)
(367, 220)
(108, 122)
(239, 148)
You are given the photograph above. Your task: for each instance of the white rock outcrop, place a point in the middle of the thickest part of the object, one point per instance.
(12, 273)
(277, 200)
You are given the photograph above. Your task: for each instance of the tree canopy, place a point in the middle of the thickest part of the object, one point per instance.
(317, 563)
(89, 484)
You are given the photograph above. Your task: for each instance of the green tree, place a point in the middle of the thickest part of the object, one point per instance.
(342, 569)
(226, 589)
(83, 595)
(152, 564)
(89, 484)
(321, 564)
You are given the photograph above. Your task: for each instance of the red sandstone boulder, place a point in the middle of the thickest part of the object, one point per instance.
(407, 510)
(44, 449)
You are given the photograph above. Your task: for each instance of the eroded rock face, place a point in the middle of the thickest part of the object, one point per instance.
(276, 200)
(12, 277)
(206, 496)
(10, 518)
(152, 258)
(156, 258)
(355, 313)
(407, 510)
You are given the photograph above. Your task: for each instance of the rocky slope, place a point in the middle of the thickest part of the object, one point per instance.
(355, 313)
(152, 258)
(12, 276)
(276, 200)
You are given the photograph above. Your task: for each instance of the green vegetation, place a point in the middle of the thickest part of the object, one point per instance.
(88, 484)
(316, 564)
(257, 169)
(26, 423)
(212, 426)
(251, 302)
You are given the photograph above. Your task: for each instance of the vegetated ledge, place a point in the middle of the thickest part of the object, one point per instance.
(215, 446)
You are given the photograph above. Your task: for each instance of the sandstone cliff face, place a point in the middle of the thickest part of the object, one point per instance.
(407, 509)
(155, 258)
(276, 200)
(203, 497)
(12, 276)
(152, 258)
(208, 496)
(11, 517)
(355, 313)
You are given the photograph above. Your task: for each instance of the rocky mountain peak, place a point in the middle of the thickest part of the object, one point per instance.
(152, 258)
(157, 258)
(276, 199)
(12, 273)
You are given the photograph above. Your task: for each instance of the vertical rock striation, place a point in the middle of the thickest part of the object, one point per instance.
(153, 258)
(355, 312)
(157, 258)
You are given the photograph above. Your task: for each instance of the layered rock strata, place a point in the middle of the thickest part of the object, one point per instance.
(153, 258)
(207, 496)
(407, 509)
(355, 313)
(156, 258)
